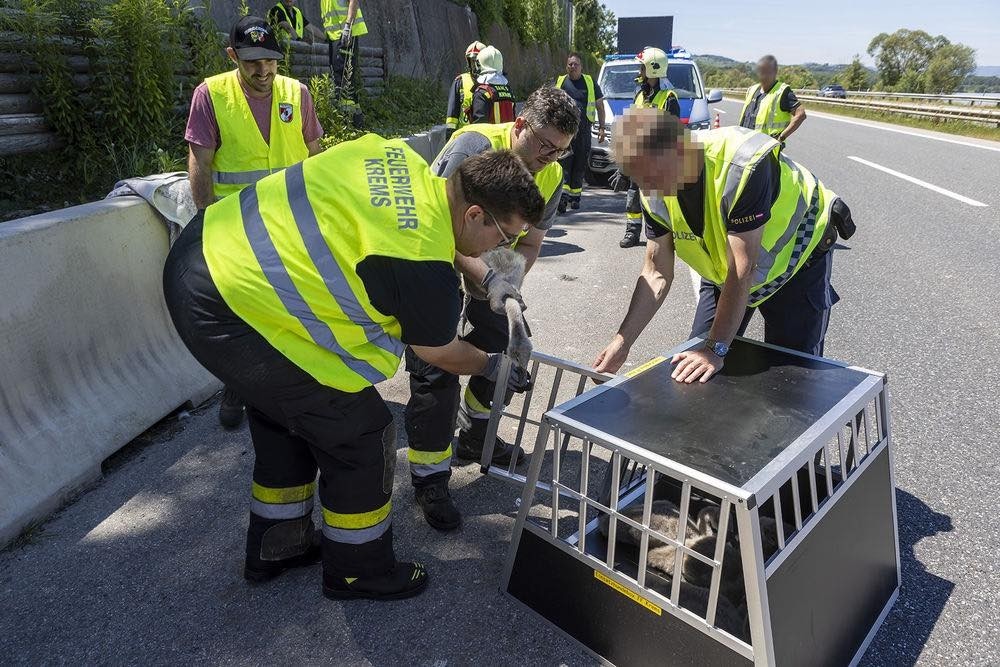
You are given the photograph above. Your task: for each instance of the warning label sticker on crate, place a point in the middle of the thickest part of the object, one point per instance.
(645, 367)
(627, 592)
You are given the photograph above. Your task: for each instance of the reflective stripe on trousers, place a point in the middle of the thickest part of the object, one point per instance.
(357, 528)
(425, 464)
(282, 503)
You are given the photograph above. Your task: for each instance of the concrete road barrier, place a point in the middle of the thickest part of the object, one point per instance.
(90, 358)
(429, 143)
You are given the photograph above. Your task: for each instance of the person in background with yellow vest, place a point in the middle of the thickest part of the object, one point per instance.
(541, 136)
(460, 99)
(756, 226)
(590, 99)
(770, 106)
(344, 24)
(290, 23)
(300, 292)
(492, 99)
(653, 93)
(244, 125)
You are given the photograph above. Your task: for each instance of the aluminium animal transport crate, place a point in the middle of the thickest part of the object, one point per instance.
(747, 520)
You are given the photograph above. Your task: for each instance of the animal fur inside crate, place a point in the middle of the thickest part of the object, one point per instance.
(750, 519)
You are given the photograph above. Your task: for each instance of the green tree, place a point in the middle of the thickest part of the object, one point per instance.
(797, 76)
(739, 76)
(595, 31)
(854, 76)
(948, 68)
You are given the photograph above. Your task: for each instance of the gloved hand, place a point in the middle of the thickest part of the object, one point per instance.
(519, 380)
(345, 36)
(499, 290)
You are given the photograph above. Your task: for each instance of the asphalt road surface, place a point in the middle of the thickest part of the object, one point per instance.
(145, 567)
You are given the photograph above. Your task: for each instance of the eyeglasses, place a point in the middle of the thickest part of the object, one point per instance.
(507, 241)
(549, 149)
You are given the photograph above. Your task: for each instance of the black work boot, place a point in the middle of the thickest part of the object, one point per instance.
(257, 570)
(469, 446)
(402, 581)
(231, 410)
(631, 238)
(439, 510)
(575, 205)
(562, 205)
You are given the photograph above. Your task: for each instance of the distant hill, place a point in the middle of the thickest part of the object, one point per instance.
(717, 61)
(987, 70)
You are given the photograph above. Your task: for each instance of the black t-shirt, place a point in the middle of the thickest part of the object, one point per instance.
(578, 91)
(423, 296)
(787, 103)
(751, 210)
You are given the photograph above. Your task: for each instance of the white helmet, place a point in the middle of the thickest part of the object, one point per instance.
(471, 52)
(655, 61)
(490, 60)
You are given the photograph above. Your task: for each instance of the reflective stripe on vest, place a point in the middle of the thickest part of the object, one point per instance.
(548, 180)
(298, 25)
(797, 222)
(591, 99)
(468, 84)
(243, 156)
(284, 253)
(659, 101)
(770, 118)
(335, 15)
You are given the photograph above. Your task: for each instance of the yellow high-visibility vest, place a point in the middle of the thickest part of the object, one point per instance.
(591, 99)
(798, 220)
(659, 101)
(298, 25)
(335, 14)
(770, 118)
(283, 254)
(244, 157)
(548, 180)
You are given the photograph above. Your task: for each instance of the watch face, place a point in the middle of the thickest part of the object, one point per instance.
(721, 349)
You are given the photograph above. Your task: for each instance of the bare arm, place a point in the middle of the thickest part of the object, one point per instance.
(530, 245)
(650, 290)
(200, 175)
(314, 147)
(742, 252)
(352, 10)
(798, 116)
(457, 357)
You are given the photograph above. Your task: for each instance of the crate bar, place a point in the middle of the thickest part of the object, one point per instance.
(555, 484)
(764, 483)
(526, 405)
(672, 468)
(796, 501)
(779, 527)
(497, 405)
(647, 510)
(813, 495)
(613, 500)
(855, 445)
(828, 468)
(868, 432)
(584, 479)
(752, 558)
(682, 520)
(720, 552)
(843, 458)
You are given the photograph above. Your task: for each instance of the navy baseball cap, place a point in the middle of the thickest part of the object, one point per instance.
(253, 39)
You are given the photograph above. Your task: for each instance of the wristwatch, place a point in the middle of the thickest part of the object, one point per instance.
(718, 347)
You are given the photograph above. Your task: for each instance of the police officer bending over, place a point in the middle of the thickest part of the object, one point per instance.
(300, 293)
(756, 226)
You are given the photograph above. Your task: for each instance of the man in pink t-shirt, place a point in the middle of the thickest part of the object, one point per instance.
(255, 51)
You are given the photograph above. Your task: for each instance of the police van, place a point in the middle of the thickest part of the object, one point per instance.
(617, 81)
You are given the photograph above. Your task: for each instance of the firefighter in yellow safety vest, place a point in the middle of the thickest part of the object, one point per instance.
(460, 98)
(243, 125)
(301, 292)
(758, 228)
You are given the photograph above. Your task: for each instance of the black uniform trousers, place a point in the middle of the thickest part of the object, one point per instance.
(796, 316)
(434, 393)
(575, 165)
(298, 426)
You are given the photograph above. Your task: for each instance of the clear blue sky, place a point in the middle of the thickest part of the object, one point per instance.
(819, 31)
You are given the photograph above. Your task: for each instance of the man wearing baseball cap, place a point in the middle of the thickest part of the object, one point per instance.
(243, 125)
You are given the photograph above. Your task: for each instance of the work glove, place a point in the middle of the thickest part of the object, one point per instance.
(345, 36)
(499, 290)
(519, 380)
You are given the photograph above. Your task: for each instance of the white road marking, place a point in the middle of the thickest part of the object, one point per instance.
(850, 121)
(720, 110)
(911, 179)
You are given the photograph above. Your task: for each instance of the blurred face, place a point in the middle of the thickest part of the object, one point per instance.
(767, 73)
(657, 172)
(480, 231)
(257, 75)
(288, 3)
(574, 68)
(538, 146)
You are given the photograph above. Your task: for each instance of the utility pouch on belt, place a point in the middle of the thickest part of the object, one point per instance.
(840, 215)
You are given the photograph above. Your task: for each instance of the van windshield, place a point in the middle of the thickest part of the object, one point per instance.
(618, 81)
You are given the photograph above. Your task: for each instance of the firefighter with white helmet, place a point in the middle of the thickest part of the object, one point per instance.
(460, 100)
(492, 99)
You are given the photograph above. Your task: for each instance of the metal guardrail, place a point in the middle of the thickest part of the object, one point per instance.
(979, 114)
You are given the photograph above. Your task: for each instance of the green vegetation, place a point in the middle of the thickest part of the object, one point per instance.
(530, 21)
(913, 61)
(980, 84)
(595, 33)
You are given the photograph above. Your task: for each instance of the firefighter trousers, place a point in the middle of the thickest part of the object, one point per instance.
(298, 427)
(576, 164)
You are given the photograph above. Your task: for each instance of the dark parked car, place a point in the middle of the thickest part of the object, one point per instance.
(833, 90)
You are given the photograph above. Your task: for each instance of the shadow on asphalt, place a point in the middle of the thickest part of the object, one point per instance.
(923, 595)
